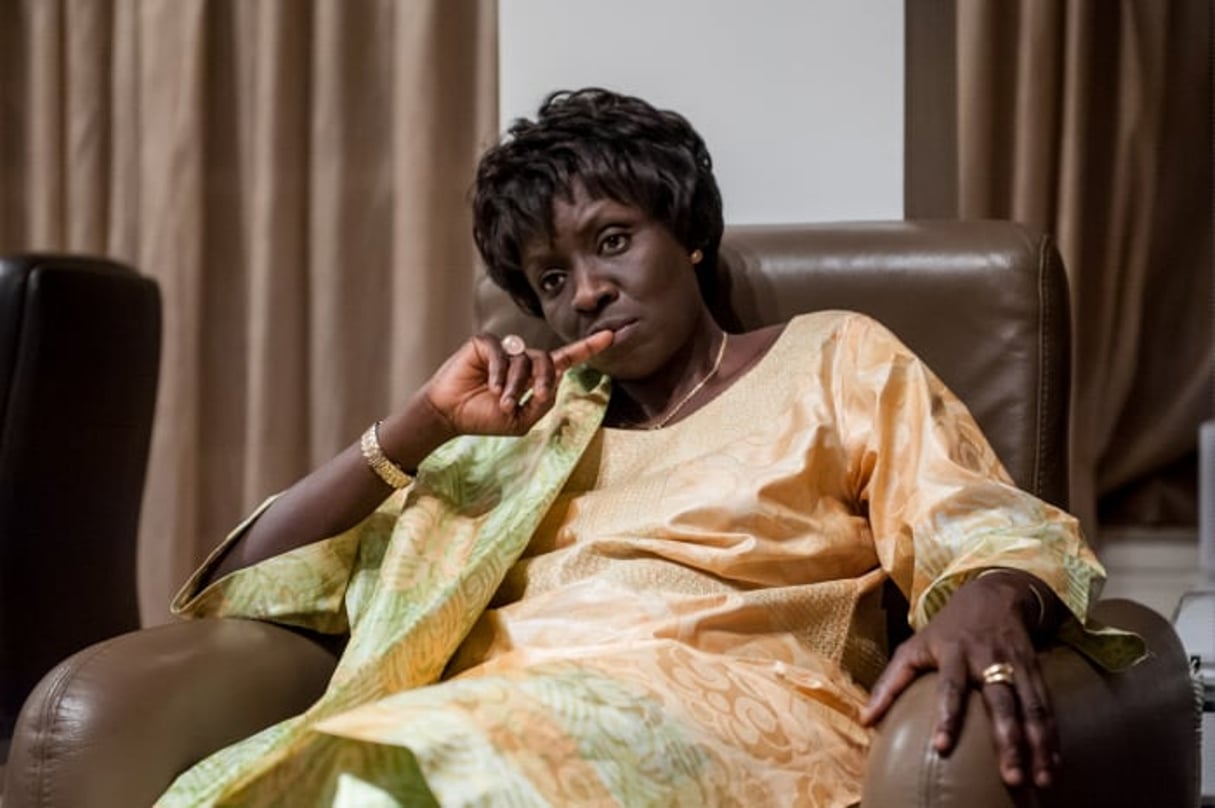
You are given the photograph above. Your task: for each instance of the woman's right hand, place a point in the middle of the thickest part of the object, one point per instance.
(482, 390)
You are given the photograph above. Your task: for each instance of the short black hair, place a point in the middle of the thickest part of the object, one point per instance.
(616, 146)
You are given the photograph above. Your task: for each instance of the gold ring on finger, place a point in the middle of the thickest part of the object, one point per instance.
(514, 345)
(999, 673)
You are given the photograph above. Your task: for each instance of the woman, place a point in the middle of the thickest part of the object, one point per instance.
(644, 568)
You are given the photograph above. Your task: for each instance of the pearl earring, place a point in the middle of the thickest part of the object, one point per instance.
(697, 256)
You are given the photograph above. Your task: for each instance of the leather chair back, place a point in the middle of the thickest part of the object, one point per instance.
(79, 360)
(985, 304)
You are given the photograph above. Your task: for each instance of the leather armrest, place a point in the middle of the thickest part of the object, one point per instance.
(113, 725)
(1128, 739)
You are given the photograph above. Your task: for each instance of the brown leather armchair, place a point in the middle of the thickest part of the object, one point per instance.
(79, 359)
(984, 303)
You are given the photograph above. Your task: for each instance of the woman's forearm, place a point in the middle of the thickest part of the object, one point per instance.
(339, 494)
(479, 390)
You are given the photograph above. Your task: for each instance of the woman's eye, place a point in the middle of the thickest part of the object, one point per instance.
(549, 282)
(614, 243)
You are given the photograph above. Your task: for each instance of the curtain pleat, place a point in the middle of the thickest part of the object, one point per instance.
(122, 100)
(44, 101)
(170, 244)
(453, 115)
(294, 174)
(278, 155)
(1090, 120)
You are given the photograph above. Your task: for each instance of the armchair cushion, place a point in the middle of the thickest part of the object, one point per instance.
(1128, 739)
(114, 724)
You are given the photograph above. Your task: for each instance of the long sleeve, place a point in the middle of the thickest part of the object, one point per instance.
(321, 586)
(940, 504)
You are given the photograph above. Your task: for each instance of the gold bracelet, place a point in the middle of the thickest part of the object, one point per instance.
(1032, 588)
(373, 453)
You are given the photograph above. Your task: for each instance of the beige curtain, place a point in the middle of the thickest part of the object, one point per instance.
(294, 173)
(1091, 120)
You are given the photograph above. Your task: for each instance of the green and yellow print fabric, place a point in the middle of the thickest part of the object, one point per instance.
(408, 582)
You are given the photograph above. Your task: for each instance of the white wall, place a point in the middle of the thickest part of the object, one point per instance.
(799, 101)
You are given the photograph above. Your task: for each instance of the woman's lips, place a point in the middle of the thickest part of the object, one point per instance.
(622, 332)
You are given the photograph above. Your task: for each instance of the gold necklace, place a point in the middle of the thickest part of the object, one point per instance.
(666, 419)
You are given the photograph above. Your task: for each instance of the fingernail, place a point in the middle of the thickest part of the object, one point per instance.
(508, 402)
(1043, 779)
(1014, 776)
(941, 740)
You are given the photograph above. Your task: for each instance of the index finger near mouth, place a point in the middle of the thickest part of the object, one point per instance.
(567, 356)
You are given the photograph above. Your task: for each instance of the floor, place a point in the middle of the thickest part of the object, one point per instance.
(1154, 567)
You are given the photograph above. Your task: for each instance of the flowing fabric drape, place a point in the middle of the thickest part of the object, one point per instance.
(1091, 120)
(294, 174)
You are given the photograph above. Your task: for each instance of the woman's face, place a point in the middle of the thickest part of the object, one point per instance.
(610, 266)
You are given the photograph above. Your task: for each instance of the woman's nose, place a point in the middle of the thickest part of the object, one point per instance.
(593, 289)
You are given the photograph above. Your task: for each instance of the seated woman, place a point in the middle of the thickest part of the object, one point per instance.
(645, 568)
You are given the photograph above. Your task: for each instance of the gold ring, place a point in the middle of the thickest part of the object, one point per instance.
(514, 345)
(999, 673)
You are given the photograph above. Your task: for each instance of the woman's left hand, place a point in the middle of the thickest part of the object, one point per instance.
(986, 622)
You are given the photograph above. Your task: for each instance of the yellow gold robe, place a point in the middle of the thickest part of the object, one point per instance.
(685, 616)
